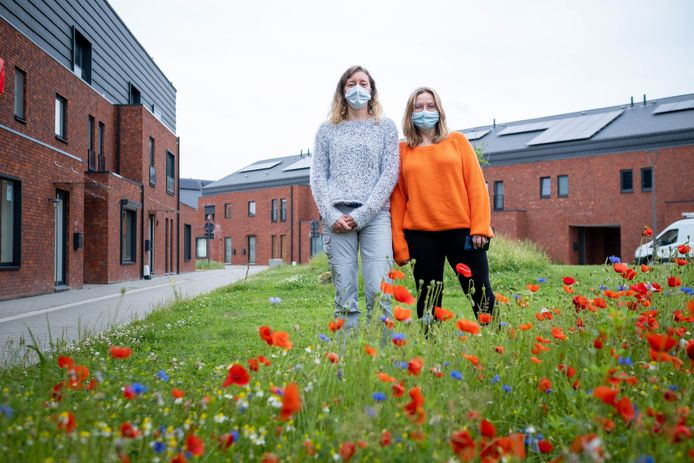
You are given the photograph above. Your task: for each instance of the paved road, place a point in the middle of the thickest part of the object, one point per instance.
(75, 314)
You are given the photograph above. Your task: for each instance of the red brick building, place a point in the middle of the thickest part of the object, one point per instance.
(583, 185)
(264, 211)
(89, 157)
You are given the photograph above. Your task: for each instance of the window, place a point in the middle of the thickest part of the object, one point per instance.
(170, 173)
(273, 210)
(134, 96)
(81, 56)
(128, 235)
(209, 212)
(283, 247)
(499, 196)
(251, 249)
(545, 187)
(187, 229)
(668, 238)
(152, 170)
(251, 208)
(19, 94)
(646, 179)
(563, 186)
(10, 222)
(200, 248)
(60, 118)
(273, 246)
(102, 159)
(283, 210)
(626, 181)
(91, 154)
(227, 210)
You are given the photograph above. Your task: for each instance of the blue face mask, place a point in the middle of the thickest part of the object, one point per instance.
(425, 119)
(357, 97)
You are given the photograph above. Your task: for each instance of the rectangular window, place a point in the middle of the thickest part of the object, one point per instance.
(81, 56)
(227, 210)
(201, 248)
(563, 186)
(545, 187)
(646, 179)
(283, 210)
(251, 208)
(273, 210)
(626, 181)
(499, 196)
(187, 234)
(251, 249)
(134, 96)
(152, 170)
(19, 94)
(170, 173)
(10, 222)
(128, 237)
(273, 246)
(60, 118)
(209, 212)
(102, 159)
(283, 247)
(91, 154)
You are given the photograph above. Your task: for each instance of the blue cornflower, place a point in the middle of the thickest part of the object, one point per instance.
(324, 338)
(378, 396)
(139, 388)
(161, 374)
(339, 373)
(614, 259)
(158, 446)
(503, 323)
(275, 300)
(515, 296)
(603, 287)
(235, 434)
(6, 410)
(622, 288)
(673, 388)
(687, 291)
(398, 336)
(445, 364)
(401, 364)
(645, 459)
(383, 318)
(541, 280)
(625, 361)
(506, 388)
(495, 379)
(455, 374)
(370, 411)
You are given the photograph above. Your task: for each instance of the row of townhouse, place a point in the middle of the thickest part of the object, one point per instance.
(581, 185)
(89, 157)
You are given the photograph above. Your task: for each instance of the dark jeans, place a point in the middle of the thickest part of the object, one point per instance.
(430, 250)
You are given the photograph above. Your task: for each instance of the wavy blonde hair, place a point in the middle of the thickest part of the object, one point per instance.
(338, 110)
(414, 138)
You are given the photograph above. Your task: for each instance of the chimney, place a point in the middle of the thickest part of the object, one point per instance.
(632, 101)
(494, 123)
(644, 99)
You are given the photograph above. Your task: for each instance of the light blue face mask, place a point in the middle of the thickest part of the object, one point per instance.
(425, 119)
(357, 97)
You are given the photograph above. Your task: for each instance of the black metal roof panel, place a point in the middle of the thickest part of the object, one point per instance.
(267, 173)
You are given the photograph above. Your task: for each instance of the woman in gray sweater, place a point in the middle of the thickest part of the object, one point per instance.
(355, 168)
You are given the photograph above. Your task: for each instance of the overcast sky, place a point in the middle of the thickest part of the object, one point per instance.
(255, 78)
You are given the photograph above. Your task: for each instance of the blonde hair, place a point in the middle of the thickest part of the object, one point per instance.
(414, 138)
(338, 110)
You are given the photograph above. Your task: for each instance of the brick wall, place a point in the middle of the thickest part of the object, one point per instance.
(190, 216)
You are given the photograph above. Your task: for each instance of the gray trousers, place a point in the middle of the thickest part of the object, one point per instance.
(374, 242)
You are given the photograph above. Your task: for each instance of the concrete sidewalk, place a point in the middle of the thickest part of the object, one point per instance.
(72, 314)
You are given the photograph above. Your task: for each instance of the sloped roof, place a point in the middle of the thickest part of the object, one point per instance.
(191, 190)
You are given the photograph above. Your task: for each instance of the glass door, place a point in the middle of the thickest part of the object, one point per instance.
(60, 206)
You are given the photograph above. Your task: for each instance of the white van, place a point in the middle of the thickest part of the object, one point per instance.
(674, 235)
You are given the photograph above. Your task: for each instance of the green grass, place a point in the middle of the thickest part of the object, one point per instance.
(195, 341)
(204, 264)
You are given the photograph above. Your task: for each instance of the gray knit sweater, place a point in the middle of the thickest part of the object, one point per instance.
(355, 162)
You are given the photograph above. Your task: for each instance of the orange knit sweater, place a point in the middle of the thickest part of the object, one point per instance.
(440, 187)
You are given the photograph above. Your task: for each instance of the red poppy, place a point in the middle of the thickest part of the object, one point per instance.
(237, 375)
(570, 372)
(401, 314)
(525, 326)
(463, 270)
(645, 268)
(333, 357)
(402, 294)
(544, 446)
(386, 288)
(442, 314)
(385, 439)
(558, 333)
(535, 360)
(66, 422)
(225, 441)
(647, 231)
(414, 366)
(487, 429)
(291, 402)
(690, 350)
(472, 359)
(128, 430)
(567, 289)
(499, 349)
(569, 281)
(485, 318)
(347, 450)
(369, 350)
(684, 249)
(463, 445)
(118, 352)
(415, 409)
(177, 393)
(468, 326)
(533, 287)
(264, 361)
(266, 334)
(309, 448)
(65, 362)
(396, 274)
(544, 385)
(626, 409)
(281, 339)
(501, 298)
(269, 457)
(385, 377)
(398, 389)
(336, 325)
(681, 262)
(661, 342)
(606, 394)
(253, 364)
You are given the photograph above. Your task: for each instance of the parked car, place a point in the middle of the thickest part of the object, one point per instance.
(674, 235)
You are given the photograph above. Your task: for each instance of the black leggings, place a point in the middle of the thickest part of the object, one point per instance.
(430, 250)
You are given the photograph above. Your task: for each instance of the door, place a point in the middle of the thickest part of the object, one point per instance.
(227, 250)
(60, 206)
(251, 249)
(150, 260)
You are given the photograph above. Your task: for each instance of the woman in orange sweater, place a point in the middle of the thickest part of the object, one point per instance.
(439, 203)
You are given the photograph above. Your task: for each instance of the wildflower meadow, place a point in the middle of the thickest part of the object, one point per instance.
(576, 364)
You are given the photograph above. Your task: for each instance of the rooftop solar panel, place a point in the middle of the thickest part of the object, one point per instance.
(575, 128)
(476, 134)
(260, 166)
(672, 107)
(523, 128)
(304, 163)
